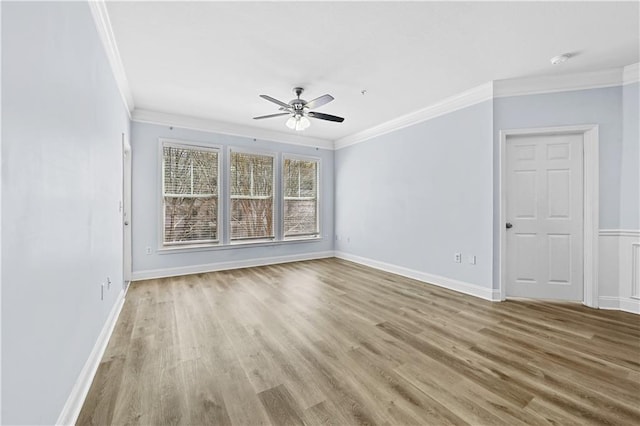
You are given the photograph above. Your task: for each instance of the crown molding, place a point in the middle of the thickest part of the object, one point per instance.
(497, 89)
(207, 125)
(453, 103)
(105, 31)
(631, 73)
(558, 83)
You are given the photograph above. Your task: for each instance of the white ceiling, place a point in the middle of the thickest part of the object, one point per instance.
(212, 59)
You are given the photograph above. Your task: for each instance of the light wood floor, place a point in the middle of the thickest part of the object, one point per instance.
(332, 342)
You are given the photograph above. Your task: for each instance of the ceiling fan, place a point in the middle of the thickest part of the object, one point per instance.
(298, 110)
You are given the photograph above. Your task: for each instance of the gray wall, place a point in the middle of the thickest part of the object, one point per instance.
(62, 119)
(416, 196)
(630, 158)
(594, 106)
(146, 193)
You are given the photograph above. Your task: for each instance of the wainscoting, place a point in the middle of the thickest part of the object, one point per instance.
(619, 276)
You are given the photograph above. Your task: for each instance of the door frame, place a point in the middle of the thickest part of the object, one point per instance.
(591, 204)
(126, 212)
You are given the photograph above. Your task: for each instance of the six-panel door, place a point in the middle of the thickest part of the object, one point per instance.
(544, 203)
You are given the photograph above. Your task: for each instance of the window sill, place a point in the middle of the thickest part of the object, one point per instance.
(235, 245)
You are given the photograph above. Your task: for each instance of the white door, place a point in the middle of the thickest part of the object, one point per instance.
(544, 215)
(126, 208)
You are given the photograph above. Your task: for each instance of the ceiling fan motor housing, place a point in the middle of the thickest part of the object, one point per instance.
(297, 104)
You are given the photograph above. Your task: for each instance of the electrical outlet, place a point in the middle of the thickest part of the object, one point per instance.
(458, 258)
(148, 250)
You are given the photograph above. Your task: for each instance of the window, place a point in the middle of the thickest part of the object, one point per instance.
(190, 188)
(255, 206)
(300, 181)
(251, 182)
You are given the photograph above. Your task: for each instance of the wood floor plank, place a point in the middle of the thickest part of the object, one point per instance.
(281, 407)
(323, 414)
(406, 404)
(330, 342)
(99, 410)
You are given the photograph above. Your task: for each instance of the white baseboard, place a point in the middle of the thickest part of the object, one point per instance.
(74, 403)
(609, 302)
(629, 304)
(626, 304)
(448, 283)
(222, 266)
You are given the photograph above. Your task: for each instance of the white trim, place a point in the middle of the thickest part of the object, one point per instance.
(223, 266)
(1, 174)
(625, 304)
(275, 196)
(591, 213)
(213, 126)
(630, 305)
(237, 244)
(590, 202)
(318, 160)
(178, 143)
(125, 211)
(558, 83)
(609, 303)
(105, 31)
(76, 398)
(437, 280)
(619, 233)
(453, 103)
(631, 73)
(635, 271)
(488, 91)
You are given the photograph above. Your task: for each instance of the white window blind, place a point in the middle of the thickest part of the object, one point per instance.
(190, 178)
(251, 182)
(300, 180)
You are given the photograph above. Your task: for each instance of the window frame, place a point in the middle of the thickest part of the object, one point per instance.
(318, 161)
(178, 143)
(224, 199)
(274, 203)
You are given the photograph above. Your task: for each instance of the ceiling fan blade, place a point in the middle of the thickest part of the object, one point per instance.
(275, 101)
(318, 102)
(328, 117)
(271, 115)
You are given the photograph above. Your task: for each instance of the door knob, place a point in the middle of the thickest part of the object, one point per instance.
(509, 225)
(126, 223)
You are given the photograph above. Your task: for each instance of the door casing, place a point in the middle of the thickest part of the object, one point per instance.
(591, 203)
(126, 211)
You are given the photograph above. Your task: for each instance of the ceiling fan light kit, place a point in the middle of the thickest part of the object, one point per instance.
(298, 110)
(298, 122)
